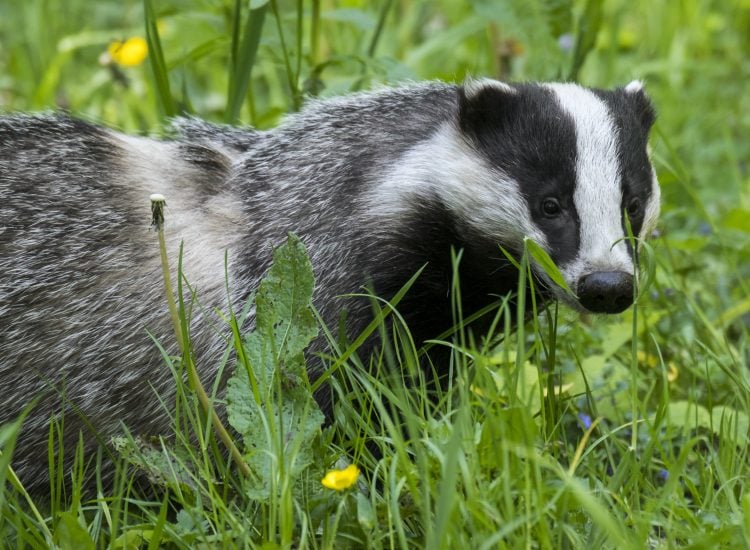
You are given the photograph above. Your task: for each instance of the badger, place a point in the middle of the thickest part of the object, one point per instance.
(378, 185)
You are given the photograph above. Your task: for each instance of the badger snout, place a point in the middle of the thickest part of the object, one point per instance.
(606, 291)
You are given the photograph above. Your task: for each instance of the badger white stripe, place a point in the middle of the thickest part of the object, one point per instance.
(598, 195)
(474, 86)
(653, 207)
(446, 166)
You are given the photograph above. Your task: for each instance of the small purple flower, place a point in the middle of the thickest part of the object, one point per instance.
(565, 42)
(663, 474)
(585, 420)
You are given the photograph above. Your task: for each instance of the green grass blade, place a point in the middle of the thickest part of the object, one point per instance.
(447, 494)
(234, 45)
(166, 103)
(314, 32)
(544, 261)
(8, 436)
(379, 28)
(290, 76)
(244, 51)
(588, 29)
(369, 329)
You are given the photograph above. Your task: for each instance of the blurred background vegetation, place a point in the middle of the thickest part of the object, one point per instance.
(692, 346)
(692, 54)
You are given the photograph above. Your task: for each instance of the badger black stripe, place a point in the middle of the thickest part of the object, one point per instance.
(633, 117)
(527, 136)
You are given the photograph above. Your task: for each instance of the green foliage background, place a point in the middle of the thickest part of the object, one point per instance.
(676, 480)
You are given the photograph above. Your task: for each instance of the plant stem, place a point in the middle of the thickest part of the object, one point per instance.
(157, 220)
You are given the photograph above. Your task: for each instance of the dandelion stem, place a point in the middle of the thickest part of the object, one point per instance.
(157, 221)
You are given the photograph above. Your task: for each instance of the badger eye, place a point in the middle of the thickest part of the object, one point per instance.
(550, 207)
(634, 207)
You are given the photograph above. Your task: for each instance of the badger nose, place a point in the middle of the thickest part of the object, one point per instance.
(606, 291)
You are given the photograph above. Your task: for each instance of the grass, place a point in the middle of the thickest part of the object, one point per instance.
(629, 431)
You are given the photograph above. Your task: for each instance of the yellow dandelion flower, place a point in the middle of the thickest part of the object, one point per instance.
(128, 53)
(672, 372)
(653, 362)
(339, 480)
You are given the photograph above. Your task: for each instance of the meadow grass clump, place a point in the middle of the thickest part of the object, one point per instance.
(527, 441)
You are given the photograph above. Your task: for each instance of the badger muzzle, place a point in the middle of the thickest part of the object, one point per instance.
(606, 291)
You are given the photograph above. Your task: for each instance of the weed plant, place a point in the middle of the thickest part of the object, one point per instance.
(560, 432)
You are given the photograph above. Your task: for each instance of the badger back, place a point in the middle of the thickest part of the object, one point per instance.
(80, 282)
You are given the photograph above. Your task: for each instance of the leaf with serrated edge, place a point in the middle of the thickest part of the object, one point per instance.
(281, 428)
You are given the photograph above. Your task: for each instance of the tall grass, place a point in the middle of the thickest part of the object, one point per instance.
(630, 431)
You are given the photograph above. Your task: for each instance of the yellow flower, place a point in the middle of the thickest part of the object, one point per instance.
(130, 52)
(339, 480)
(653, 362)
(672, 372)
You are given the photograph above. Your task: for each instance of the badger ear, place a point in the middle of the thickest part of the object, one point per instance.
(642, 106)
(484, 103)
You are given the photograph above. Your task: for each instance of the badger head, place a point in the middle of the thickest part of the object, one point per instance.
(565, 166)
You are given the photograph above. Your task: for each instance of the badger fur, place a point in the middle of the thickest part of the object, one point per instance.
(377, 185)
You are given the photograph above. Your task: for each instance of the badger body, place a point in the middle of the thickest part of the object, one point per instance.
(378, 185)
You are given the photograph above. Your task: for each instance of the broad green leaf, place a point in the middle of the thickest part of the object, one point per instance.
(279, 430)
(70, 534)
(283, 314)
(277, 435)
(506, 426)
(688, 415)
(725, 422)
